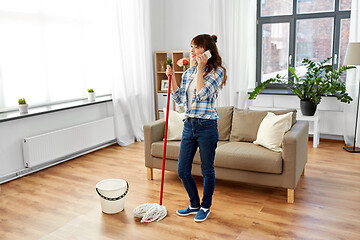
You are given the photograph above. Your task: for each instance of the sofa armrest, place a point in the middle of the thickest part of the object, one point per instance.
(153, 132)
(295, 149)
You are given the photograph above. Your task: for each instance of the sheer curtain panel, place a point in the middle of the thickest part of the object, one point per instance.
(234, 22)
(133, 91)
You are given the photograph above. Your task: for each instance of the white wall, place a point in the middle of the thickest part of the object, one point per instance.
(13, 132)
(176, 22)
(157, 24)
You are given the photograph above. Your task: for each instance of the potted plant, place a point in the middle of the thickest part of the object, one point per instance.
(169, 62)
(23, 107)
(320, 79)
(91, 95)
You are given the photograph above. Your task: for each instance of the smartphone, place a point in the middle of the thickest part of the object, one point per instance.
(207, 53)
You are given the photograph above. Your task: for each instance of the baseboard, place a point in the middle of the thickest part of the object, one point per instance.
(329, 137)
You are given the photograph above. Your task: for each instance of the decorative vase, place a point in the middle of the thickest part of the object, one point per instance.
(185, 67)
(308, 108)
(162, 65)
(91, 96)
(23, 108)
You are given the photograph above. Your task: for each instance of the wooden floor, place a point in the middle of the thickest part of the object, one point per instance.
(61, 203)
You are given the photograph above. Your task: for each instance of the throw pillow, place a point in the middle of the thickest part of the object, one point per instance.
(245, 125)
(175, 125)
(224, 123)
(272, 130)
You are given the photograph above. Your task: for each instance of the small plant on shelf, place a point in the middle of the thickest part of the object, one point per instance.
(23, 107)
(91, 95)
(168, 61)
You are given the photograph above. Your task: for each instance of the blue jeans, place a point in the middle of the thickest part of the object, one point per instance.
(202, 133)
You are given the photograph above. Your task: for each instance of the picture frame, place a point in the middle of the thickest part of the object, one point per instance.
(164, 85)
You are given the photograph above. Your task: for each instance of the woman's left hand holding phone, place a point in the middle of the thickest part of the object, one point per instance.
(201, 60)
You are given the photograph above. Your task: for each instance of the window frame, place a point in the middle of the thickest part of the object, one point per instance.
(337, 16)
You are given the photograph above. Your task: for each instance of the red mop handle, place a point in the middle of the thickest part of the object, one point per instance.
(165, 140)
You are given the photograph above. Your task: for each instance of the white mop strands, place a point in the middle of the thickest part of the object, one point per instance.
(149, 212)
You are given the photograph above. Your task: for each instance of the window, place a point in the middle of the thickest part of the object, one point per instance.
(52, 50)
(291, 30)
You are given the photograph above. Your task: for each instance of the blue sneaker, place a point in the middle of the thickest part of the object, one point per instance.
(187, 211)
(202, 215)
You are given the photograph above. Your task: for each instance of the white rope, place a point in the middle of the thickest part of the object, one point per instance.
(149, 212)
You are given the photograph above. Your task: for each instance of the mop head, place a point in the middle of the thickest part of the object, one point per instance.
(149, 212)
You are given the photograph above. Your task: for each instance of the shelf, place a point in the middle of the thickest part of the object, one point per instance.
(161, 57)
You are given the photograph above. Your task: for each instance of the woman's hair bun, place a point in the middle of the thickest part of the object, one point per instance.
(214, 37)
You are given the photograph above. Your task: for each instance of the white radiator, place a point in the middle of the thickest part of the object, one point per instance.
(56, 145)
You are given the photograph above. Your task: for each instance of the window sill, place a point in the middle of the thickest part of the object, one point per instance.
(279, 91)
(13, 115)
(274, 91)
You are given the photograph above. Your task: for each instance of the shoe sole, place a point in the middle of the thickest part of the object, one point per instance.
(185, 214)
(201, 220)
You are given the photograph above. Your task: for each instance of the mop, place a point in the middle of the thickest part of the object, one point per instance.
(149, 212)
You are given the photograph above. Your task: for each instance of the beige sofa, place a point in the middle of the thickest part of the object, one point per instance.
(237, 158)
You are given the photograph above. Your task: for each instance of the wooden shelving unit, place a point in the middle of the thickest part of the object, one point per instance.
(160, 68)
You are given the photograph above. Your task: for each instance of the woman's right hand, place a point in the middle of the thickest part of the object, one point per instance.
(169, 71)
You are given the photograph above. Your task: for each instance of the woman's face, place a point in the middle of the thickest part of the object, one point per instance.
(196, 51)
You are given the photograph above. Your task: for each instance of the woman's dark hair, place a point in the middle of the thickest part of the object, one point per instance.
(209, 43)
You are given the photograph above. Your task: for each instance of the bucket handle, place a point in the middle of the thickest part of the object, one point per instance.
(117, 198)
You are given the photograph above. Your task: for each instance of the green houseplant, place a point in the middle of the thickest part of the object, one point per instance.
(91, 95)
(23, 107)
(320, 80)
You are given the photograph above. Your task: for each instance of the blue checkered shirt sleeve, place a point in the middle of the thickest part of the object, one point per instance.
(212, 85)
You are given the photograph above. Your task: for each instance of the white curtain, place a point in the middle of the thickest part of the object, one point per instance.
(234, 22)
(352, 81)
(53, 50)
(133, 98)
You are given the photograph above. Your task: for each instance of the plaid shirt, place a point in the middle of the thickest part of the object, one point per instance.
(202, 104)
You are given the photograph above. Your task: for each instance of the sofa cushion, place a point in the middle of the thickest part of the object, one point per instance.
(224, 123)
(245, 123)
(234, 155)
(172, 150)
(249, 157)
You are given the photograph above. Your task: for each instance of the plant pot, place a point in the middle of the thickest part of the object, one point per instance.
(91, 96)
(308, 108)
(23, 108)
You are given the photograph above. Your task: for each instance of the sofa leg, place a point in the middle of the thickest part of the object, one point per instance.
(149, 173)
(303, 173)
(290, 195)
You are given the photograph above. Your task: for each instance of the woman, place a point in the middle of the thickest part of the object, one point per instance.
(198, 91)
